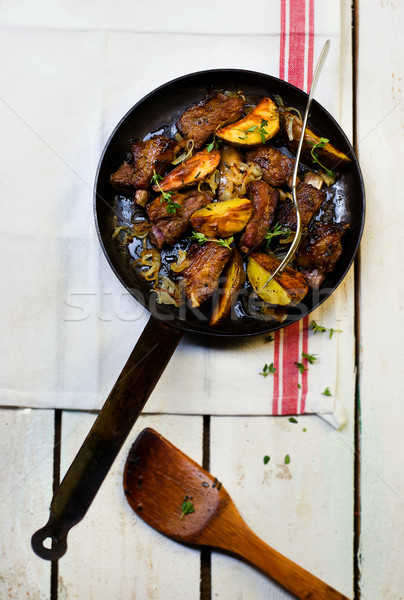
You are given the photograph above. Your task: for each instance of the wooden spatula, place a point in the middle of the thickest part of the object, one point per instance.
(173, 494)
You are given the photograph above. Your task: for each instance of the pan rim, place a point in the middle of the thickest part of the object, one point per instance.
(269, 326)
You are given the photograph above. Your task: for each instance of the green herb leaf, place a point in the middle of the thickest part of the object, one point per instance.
(199, 237)
(309, 357)
(327, 392)
(268, 370)
(202, 239)
(304, 429)
(269, 338)
(156, 178)
(292, 420)
(319, 328)
(299, 385)
(225, 243)
(266, 459)
(277, 230)
(166, 196)
(214, 144)
(287, 459)
(172, 207)
(301, 367)
(320, 144)
(187, 507)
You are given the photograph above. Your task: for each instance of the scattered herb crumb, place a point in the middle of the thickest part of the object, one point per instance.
(309, 357)
(301, 367)
(321, 329)
(187, 507)
(266, 459)
(304, 429)
(268, 369)
(292, 420)
(327, 392)
(269, 338)
(287, 459)
(299, 385)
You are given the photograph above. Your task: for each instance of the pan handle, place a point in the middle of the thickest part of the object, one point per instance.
(106, 437)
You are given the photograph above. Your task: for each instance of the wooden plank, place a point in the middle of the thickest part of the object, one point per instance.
(303, 510)
(26, 467)
(112, 553)
(380, 137)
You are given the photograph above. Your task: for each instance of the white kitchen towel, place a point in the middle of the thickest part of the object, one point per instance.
(67, 324)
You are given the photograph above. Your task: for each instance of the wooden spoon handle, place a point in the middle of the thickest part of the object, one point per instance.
(293, 577)
(106, 437)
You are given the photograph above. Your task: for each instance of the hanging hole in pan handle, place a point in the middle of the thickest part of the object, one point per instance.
(48, 544)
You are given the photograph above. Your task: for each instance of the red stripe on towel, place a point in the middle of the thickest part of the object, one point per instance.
(283, 40)
(305, 349)
(297, 38)
(275, 399)
(295, 338)
(290, 372)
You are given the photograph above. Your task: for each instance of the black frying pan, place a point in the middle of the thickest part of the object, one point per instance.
(158, 112)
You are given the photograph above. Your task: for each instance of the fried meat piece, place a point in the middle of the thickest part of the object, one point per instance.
(202, 275)
(277, 168)
(121, 179)
(152, 155)
(168, 227)
(319, 251)
(309, 200)
(264, 199)
(201, 120)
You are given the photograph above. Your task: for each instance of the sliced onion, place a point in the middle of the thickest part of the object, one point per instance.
(149, 258)
(289, 130)
(118, 230)
(295, 110)
(167, 291)
(283, 196)
(213, 180)
(186, 154)
(182, 263)
(327, 178)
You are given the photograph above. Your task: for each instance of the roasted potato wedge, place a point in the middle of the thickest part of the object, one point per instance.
(222, 219)
(260, 125)
(190, 172)
(234, 280)
(328, 156)
(286, 289)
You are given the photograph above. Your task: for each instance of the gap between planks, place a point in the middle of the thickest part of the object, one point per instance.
(357, 415)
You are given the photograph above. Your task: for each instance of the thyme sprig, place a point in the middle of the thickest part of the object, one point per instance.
(166, 196)
(201, 239)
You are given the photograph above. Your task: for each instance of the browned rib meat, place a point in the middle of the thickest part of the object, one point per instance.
(309, 200)
(264, 200)
(167, 227)
(320, 250)
(202, 275)
(122, 178)
(201, 120)
(152, 155)
(277, 167)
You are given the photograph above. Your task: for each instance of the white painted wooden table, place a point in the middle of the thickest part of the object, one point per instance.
(307, 510)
